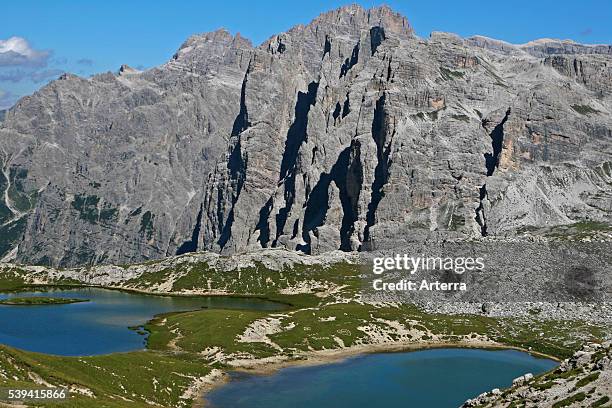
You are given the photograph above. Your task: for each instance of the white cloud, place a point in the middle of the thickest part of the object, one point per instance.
(17, 51)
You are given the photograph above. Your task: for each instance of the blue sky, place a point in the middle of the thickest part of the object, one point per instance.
(86, 37)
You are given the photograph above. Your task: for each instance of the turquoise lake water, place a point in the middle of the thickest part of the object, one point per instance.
(101, 325)
(436, 378)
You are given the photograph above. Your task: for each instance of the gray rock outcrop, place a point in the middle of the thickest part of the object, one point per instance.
(583, 380)
(348, 133)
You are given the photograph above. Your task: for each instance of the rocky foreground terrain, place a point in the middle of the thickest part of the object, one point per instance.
(326, 317)
(584, 380)
(347, 133)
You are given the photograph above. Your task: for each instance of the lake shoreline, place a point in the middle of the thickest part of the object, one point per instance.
(271, 365)
(193, 294)
(104, 311)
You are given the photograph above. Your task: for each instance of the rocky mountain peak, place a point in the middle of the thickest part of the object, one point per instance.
(211, 44)
(220, 36)
(348, 34)
(359, 18)
(207, 52)
(126, 70)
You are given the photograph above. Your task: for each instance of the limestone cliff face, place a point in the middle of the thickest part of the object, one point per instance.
(347, 133)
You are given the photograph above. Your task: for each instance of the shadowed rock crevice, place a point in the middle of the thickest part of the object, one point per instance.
(241, 123)
(491, 164)
(347, 175)
(337, 111)
(296, 136)
(350, 63)
(262, 224)
(377, 36)
(349, 179)
(381, 173)
(192, 244)
(316, 208)
(480, 215)
(497, 140)
(346, 107)
(236, 164)
(326, 47)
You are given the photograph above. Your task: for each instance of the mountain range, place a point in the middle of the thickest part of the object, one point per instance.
(350, 132)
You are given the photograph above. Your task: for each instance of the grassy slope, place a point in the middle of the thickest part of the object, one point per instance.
(11, 279)
(252, 280)
(206, 328)
(138, 376)
(318, 328)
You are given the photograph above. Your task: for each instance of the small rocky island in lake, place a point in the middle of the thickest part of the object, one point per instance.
(39, 301)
